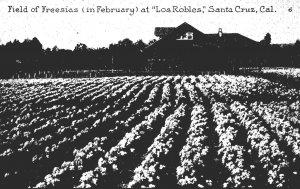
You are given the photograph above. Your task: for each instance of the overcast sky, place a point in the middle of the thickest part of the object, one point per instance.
(100, 29)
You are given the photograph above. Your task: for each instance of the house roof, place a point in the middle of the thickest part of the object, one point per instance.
(203, 40)
(231, 40)
(170, 33)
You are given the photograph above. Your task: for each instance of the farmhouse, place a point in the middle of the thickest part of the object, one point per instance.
(185, 47)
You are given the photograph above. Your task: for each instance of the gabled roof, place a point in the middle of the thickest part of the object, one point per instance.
(202, 40)
(231, 40)
(174, 33)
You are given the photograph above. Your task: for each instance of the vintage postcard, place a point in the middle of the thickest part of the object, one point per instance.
(149, 94)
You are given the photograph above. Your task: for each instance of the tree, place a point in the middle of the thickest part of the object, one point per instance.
(32, 53)
(297, 44)
(80, 57)
(36, 44)
(297, 53)
(140, 45)
(267, 40)
(265, 44)
(125, 43)
(80, 47)
(55, 49)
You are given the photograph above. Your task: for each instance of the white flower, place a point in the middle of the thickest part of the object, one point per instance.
(115, 167)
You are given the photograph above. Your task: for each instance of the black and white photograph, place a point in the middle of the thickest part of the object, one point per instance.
(150, 94)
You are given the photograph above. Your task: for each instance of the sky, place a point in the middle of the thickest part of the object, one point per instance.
(99, 29)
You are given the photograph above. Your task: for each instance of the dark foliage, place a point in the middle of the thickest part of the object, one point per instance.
(126, 55)
(29, 56)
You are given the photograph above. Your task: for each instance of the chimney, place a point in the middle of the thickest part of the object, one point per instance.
(220, 32)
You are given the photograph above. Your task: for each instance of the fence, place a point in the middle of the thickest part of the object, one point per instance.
(105, 73)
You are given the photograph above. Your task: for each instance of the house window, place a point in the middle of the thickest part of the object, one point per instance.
(186, 36)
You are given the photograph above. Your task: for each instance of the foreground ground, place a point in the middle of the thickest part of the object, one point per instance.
(205, 131)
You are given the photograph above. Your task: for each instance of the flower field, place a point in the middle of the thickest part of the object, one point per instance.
(288, 72)
(211, 131)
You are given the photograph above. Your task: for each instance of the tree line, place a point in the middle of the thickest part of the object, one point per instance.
(30, 56)
(280, 55)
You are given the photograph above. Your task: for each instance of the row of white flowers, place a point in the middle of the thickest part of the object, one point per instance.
(125, 146)
(79, 126)
(147, 104)
(24, 93)
(194, 150)
(25, 108)
(130, 94)
(155, 89)
(147, 174)
(84, 155)
(289, 72)
(229, 86)
(63, 136)
(286, 110)
(41, 127)
(34, 122)
(112, 158)
(247, 88)
(166, 94)
(239, 86)
(280, 125)
(232, 154)
(244, 88)
(57, 129)
(99, 97)
(193, 95)
(180, 97)
(273, 160)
